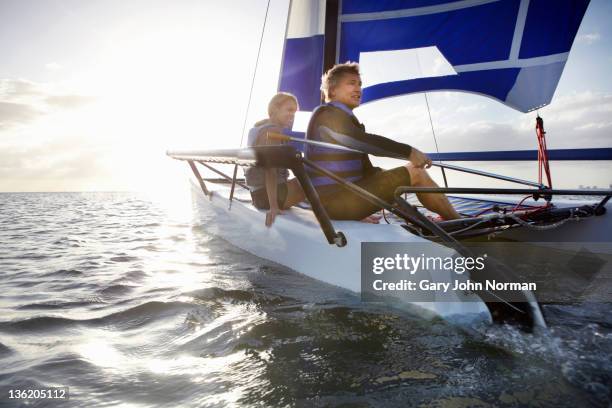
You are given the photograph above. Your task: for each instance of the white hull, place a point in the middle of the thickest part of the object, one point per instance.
(297, 242)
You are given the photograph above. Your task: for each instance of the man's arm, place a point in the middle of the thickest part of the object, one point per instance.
(338, 127)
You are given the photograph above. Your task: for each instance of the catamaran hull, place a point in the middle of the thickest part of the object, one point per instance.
(573, 235)
(296, 241)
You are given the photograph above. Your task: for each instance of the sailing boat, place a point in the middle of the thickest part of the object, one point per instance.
(513, 51)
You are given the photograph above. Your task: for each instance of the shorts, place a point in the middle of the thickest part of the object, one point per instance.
(346, 205)
(260, 197)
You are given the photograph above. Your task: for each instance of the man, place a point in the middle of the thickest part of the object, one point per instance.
(334, 122)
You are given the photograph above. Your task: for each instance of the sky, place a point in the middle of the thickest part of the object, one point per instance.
(93, 93)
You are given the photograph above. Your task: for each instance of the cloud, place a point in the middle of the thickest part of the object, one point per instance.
(51, 163)
(589, 38)
(574, 121)
(462, 123)
(12, 114)
(53, 66)
(69, 101)
(23, 101)
(16, 89)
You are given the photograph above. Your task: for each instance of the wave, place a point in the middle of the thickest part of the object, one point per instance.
(69, 242)
(124, 258)
(5, 350)
(259, 298)
(130, 318)
(38, 324)
(115, 290)
(57, 305)
(63, 272)
(153, 224)
(26, 284)
(136, 275)
(142, 314)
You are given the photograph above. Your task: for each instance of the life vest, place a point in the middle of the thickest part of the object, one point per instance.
(254, 132)
(255, 176)
(350, 166)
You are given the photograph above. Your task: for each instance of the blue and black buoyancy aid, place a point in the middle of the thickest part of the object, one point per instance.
(334, 124)
(348, 165)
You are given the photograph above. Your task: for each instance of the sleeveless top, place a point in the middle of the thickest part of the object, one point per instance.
(255, 176)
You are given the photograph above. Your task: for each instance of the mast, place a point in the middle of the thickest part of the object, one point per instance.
(332, 11)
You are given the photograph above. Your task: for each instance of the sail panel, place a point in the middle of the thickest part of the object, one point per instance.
(302, 64)
(302, 70)
(369, 6)
(464, 36)
(551, 27)
(510, 50)
(495, 83)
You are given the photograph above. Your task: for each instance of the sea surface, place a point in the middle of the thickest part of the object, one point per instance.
(128, 301)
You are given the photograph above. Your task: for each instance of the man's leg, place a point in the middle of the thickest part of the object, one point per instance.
(435, 202)
(346, 205)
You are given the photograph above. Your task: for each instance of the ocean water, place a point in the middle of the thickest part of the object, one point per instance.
(128, 301)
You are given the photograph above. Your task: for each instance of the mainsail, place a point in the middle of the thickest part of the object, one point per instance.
(511, 50)
(302, 64)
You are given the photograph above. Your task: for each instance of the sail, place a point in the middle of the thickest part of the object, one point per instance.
(511, 50)
(302, 64)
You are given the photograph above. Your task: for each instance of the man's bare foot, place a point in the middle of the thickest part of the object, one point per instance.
(372, 219)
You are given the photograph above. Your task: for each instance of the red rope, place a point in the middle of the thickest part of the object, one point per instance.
(542, 152)
(516, 207)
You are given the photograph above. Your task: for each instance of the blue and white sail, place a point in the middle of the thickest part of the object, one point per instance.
(302, 64)
(510, 50)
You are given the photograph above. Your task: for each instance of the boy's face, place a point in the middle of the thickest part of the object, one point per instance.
(285, 114)
(348, 91)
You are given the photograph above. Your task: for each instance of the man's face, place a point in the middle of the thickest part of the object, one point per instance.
(348, 91)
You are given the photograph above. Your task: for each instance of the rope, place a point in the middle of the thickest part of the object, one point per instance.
(516, 207)
(542, 151)
(431, 122)
(246, 113)
(385, 216)
(541, 227)
(468, 227)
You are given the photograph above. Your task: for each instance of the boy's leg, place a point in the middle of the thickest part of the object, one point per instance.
(295, 194)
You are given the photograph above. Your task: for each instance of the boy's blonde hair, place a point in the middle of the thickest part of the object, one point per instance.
(279, 100)
(275, 103)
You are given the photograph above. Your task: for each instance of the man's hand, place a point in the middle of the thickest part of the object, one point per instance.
(419, 159)
(271, 215)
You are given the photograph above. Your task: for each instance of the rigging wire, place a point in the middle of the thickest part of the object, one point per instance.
(431, 121)
(246, 113)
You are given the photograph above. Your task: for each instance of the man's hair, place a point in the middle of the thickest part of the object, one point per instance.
(279, 100)
(332, 77)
